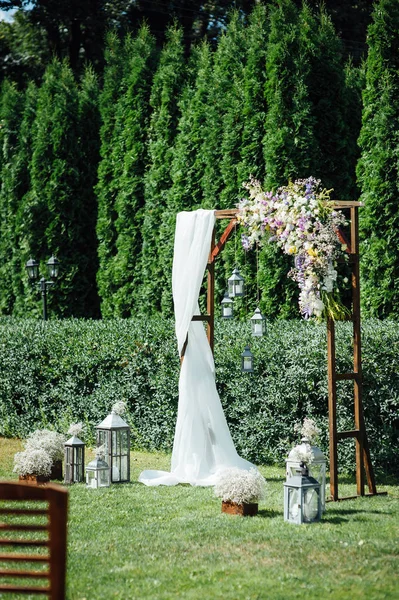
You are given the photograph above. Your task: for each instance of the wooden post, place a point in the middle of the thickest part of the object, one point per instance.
(332, 408)
(210, 300)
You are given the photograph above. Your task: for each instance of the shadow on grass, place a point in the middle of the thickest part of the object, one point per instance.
(266, 513)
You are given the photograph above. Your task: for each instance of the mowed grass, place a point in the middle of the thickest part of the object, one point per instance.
(133, 542)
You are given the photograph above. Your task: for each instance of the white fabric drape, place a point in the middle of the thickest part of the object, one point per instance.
(203, 445)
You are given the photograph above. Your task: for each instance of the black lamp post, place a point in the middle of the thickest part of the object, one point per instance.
(32, 268)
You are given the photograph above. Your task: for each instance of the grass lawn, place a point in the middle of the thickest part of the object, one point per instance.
(133, 542)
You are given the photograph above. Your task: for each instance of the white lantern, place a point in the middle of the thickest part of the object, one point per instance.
(74, 452)
(236, 284)
(302, 499)
(247, 361)
(317, 468)
(227, 307)
(258, 323)
(98, 473)
(114, 434)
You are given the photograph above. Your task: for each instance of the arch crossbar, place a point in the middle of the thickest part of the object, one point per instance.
(364, 468)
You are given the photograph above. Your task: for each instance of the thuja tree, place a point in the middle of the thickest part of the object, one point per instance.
(89, 148)
(56, 204)
(187, 168)
(378, 167)
(10, 114)
(108, 185)
(166, 87)
(131, 125)
(244, 129)
(25, 302)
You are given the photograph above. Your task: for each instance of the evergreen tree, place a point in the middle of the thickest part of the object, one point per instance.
(89, 150)
(25, 301)
(10, 115)
(131, 126)
(56, 204)
(187, 166)
(108, 185)
(378, 167)
(166, 88)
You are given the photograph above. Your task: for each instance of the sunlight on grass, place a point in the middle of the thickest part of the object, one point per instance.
(135, 542)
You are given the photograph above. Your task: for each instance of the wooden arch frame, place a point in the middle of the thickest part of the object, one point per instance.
(363, 460)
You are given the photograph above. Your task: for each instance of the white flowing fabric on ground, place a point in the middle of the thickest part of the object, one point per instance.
(203, 445)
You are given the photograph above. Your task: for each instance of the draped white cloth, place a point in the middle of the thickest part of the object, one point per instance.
(203, 445)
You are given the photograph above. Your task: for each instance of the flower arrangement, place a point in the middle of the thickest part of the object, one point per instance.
(301, 219)
(308, 430)
(119, 407)
(33, 462)
(47, 440)
(239, 486)
(75, 429)
(43, 448)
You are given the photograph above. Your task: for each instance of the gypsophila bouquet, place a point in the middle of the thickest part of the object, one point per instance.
(239, 486)
(303, 454)
(47, 440)
(33, 461)
(301, 220)
(119, 407)
(308, 430)
(75, 429)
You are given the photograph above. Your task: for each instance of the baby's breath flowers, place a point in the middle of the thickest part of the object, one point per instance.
(48, 440)
(119, 407)
(239, 486)
(75, 429)
(308, 430)
(33, 462)
(301, 220)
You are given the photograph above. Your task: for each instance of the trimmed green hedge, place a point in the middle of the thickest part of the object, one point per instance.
(55, 373)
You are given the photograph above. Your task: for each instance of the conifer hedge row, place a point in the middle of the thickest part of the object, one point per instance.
(59, 372)
(95, 172)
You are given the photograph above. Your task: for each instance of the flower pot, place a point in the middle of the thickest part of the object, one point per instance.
(245, 510)
(56, 470)
(34, 479)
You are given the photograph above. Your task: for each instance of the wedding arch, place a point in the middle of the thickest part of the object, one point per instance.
(364, 467)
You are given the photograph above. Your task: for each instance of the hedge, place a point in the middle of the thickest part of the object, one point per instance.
(57, 372)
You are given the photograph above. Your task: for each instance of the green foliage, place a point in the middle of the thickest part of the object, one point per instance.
(166, 87)
(378, 173)
(56, 373)
(129, 139)
(10, 118)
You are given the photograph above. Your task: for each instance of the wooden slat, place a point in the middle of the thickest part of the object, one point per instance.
(17, 573)
(23, 511)
(25, 557)
(344, 435)
(16, 527)
(201, 318)
(228, 213)
(215, 251)
(346, 376)
(21, 589)
(346, 203)
(356, 497)
(5, 542)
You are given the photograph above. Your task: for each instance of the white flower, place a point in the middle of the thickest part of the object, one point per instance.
(75, 429)
(48, 440)
(33, 462)
(119, 407)
(239, 486)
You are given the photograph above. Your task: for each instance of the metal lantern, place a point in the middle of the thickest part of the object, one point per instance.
(247, 361)
(98, 473)
(236, 284)
(53, 265)
(302, 502)
(32, 268)
(227, 307)
(114, 434)
(317, 468)
(74, 452)
(258, 323)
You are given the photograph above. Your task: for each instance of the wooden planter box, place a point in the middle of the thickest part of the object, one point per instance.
(34, 479)
(245, 510)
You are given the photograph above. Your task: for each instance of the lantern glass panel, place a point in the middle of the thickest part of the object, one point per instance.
(247, 363)
(293, 504)
(310, 505)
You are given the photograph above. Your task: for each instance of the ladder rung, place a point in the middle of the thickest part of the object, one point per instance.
(352, 433)
(201, 318)
(344, 376)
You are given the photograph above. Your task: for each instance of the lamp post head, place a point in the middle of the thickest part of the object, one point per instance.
(53, 265)
(32, 268)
